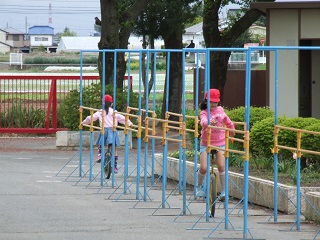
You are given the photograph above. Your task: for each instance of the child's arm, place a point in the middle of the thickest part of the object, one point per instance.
(229, 124)
(121, 119)
(204, 118)
(95, 117)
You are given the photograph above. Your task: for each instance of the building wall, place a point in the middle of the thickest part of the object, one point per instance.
(284, 34)
(315, 85)
(16, 43)
(4, 48)
(2, 36)
(310, 19)
(45, 43)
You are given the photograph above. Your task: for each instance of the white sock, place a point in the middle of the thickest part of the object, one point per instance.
(222, 180)
(200, 178)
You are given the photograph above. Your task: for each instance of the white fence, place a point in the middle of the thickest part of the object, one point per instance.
(16, 59)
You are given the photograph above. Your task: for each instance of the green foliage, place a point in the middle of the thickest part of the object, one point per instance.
(261, 136)
(311, 141)
(134, 66)
(91, 97)
(87, 59)
(262, 162)
(19, 117)
(67, 33)
(289, 138)
(256, 115)
(40, 49)
(190, 124)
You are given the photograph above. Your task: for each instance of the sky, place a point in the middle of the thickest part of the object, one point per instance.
(77, 15)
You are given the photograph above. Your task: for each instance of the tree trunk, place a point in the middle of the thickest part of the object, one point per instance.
(173, 41)
(115, 33)
(215, 38)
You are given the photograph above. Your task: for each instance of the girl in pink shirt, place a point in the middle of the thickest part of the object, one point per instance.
(107, 124)
(217, 118)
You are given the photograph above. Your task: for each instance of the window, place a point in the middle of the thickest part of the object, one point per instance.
(41, 39)
(15, 37)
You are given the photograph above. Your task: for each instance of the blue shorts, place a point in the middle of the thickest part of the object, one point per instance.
(204, 148)
(108, 137)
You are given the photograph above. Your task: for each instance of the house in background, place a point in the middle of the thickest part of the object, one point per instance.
(42, 36)
(4, 47)
(13, 40)
(195, 33)
(293, 24)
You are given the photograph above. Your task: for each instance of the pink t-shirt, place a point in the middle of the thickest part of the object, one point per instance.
(217, 135)
(108, 119)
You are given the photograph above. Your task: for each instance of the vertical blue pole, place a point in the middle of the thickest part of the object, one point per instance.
(80, 134)
(183, 167)
(115, 107)
(165, 147)
(154, 108)
(207, 88)
(126, 149)
(146, 145)
(103, 90)
(275, 156)
(246, 162)
(298, 194)
(196, 90)
(91, 156)
(139, 138)
(226, 202)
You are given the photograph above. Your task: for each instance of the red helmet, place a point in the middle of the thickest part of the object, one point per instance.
(108, 98)
(214, 95)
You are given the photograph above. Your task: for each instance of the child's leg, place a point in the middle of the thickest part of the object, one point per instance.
(99, 154)
(203, 167)
(116, 161)
(222, 173)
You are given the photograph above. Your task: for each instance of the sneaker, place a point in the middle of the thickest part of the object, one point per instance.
(99, 158)
(222, 196)
(115, 169)
(200, 192)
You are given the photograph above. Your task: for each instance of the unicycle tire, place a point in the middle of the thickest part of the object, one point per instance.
(213, 194)
(107, 165)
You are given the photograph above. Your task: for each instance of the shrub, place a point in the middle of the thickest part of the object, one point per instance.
(311, 141)
(257, 114)
(19, 117)
(91, 97)
(261, 136)
(288, 137)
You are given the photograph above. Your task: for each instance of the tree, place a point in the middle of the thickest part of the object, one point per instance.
(215, 38)
(174, 16)
(147, 26)
(117, 22)
(67, 33)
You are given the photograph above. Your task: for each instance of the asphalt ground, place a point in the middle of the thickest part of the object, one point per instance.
(43, 197)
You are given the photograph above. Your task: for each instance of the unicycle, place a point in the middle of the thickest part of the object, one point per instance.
(213, 186)
(107, 162)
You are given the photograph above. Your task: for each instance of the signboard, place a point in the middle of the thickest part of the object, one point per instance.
(246, 45)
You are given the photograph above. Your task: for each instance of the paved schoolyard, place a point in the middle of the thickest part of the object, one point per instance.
(42, 198)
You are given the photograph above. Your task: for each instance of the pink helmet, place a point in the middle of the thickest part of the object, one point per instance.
(108, 98)
(214, 95)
